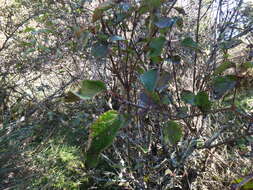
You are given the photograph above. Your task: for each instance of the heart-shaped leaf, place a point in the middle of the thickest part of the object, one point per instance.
(180, 10)
(163, 80)
(103, 132)
(146, 100)
(202, 101)
(176, 59)
(90, 88)
(165, 22)
(228, 44)
(179, 22)
(100, 50)
(188, 97)
(149, 79)
(189, 43)
(223, 67)
(151, 5)
(98, 12)
(247, 65)
(223, 84)
(116, 38)
(172, 132)
(236, 184)
(71, 97)
(156, 46)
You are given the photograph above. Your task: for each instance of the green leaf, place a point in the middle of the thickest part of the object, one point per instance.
(182, 112)
(223, 84)
(155, 97)
(103, 132)
(90, 88)
(146, 100)
(125, 6)
(71, 97)
(189, 43)
(180, 10)
(116, 38)
(99, 50)
(102, 38)
(84, 38)
(172, 132)
(98, 12)
(29, 29)
(39, 31)
(156, 59)
(174, 59)
(156, 46)
(202, 101)
(188, 97)
(148, 79)
(29, 44)
(223, 67)
(230, 44)
(151, 5)
(119, 17)
(165, 22)
(143, 9)
(163, 80)
(246, 186)
(166, 99)
(179, 22)
(247, 65)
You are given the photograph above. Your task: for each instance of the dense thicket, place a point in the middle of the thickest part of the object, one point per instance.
(148, 94)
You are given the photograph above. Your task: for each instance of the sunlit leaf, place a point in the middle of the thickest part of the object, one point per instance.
(29, 29)
(223, 84)
(172, 132)
(168, 172)
(103, 132)
(246, 186)
(90, 88)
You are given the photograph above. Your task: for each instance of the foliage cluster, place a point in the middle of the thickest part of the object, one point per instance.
(124, 94)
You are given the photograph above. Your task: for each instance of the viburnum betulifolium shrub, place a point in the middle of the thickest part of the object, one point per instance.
(148, 94)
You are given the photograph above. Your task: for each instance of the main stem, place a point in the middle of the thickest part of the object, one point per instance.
(196, 51)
